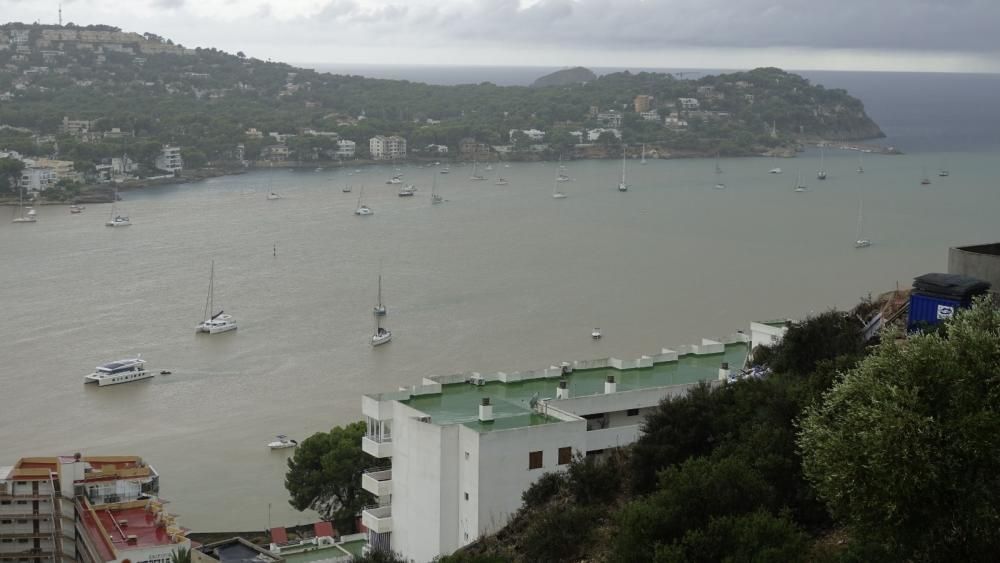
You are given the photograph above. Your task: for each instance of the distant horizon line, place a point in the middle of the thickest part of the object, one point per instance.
(630, 68)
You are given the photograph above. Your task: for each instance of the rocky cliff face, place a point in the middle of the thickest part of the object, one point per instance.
(565, 77)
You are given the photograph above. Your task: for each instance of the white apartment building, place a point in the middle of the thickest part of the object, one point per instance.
(689, 103)
(346, 149)
(594, 134)
(465, 447)
(169, 159)
(35, 179)
(532, 134)
(387, 148)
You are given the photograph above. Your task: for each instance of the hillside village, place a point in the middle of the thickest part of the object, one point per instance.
(95, 105)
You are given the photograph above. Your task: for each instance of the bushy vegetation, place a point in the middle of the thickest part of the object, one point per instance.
(844, 454)
(206, 99)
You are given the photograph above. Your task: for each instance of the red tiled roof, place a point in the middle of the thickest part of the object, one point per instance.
(109, 529)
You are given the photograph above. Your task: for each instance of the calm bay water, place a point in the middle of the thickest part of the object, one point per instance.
(497, 278)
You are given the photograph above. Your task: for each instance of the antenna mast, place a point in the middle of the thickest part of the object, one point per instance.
(60, 14)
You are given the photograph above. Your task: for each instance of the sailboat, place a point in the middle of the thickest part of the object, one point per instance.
(861, 242)
(218, 322)
(116, 219)
(719, 184)
(362, 208)
(799, 186)
(562, 176)
(556, 194)
(435, 198)
(22, 216)
(643, 159)
(381, 335)
(861, 162)
(622, 186)
(379, 309)
(500, 181)
(926, 179)
(475, 172)
(821, 175)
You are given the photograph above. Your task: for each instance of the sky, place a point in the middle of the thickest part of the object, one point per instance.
(894, 35)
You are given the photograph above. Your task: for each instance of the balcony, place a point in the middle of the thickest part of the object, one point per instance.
(375, 446)
(377, 519)
(377, 481)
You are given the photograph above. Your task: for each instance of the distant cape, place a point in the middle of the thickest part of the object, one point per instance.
(565, 77)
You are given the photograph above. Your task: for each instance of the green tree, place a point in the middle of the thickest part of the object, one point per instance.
(759, 537)
(10, 174)
(325, 475)
(904, 449)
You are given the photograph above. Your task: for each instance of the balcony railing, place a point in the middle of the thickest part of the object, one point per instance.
(377, 446)
(377, 518)
(377, 481)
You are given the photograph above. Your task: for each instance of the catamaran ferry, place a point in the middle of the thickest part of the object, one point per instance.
(121, 371)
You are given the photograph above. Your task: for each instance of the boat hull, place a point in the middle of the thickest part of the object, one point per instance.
(103, 380)
(381, 339)
(215, 329)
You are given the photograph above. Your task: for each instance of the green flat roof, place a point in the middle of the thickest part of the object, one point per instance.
(316, 554)
(458, 403)
(354, 547)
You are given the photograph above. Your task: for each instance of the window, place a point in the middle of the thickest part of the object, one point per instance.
(5, 521)
(4, 502)
(466, 496)
(22, 521)
(22, 482)
(22, 502)
(535, 460)
(632, 412)
(565, 455)
(466, 455)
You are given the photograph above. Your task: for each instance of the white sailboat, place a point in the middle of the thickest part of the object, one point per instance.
(382, 334)
(799, 186)
(643, 159)
(476, 176)
(435, 197)
(562, 176)
(719, 184)
(861, 242)
(379, 309)
(22, 215)
(622, 186)
(821, 175)
(362, 208)
(117, 219)
(556, 193)
(218, 322)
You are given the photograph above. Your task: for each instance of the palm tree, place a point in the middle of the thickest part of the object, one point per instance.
(181, 555)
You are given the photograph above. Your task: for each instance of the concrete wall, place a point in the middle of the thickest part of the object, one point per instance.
(980, 261)
(503, 466)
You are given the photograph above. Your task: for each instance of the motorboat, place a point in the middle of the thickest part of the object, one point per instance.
(407, 190)
(346, 189)
(120, 371)
(219, 322)
(720, 186)
(501, 181)
(596, 334)
(364, 210)
(943, 173)
(74, 209)
(774, 171)
(394, 180)
(862, 243)
(282, 442)
(273, 196)
(445, 170)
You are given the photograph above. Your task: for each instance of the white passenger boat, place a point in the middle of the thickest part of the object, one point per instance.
(121, 371)
(282, 442)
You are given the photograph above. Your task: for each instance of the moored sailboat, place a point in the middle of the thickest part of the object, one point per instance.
(218, 322)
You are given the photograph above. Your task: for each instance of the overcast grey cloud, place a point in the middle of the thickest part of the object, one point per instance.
(902, 34)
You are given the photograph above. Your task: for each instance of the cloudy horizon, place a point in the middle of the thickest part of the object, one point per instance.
(891, 35)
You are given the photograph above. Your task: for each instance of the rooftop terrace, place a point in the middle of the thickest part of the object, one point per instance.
(116, 528)
(458, 400)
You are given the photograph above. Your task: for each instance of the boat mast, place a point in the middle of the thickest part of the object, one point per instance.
(380, 291)
(624, 149)
(210, 298)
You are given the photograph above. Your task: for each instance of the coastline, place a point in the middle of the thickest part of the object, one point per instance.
(104, 193)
